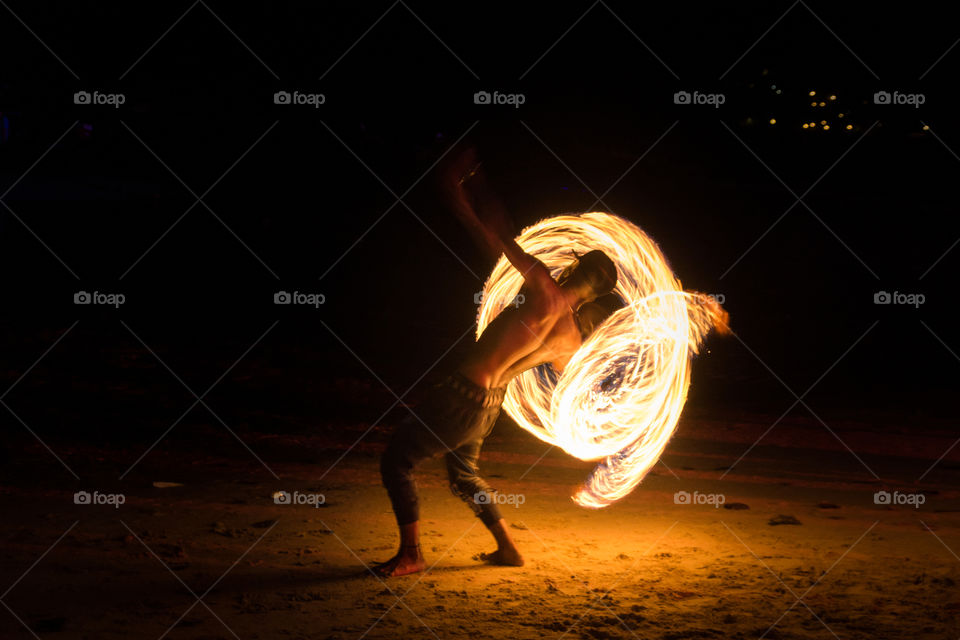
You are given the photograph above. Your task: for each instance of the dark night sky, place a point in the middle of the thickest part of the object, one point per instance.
(289, 213)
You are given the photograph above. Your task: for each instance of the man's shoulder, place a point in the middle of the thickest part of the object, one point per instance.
(543, 307)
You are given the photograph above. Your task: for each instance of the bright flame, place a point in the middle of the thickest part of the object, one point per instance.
(620, 396)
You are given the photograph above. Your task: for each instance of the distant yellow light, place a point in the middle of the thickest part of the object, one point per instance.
(839, 115)
(849, 126)
(926, 127)
(823, 104)
(778, 91)
(833, 97)
(806, 126)
(773, 121)
(813, 104)
(823, 122)
(825, 127)
(813, 93)
(813, 124)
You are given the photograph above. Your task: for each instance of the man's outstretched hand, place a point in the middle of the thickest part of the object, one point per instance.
(481, 211)
(459, 169)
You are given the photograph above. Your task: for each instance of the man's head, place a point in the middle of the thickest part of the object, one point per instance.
(592, 275)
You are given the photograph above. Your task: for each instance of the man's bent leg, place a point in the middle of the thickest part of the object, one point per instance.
(466, 484)
(406, 450)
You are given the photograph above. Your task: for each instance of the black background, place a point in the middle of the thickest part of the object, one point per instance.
(306, 199)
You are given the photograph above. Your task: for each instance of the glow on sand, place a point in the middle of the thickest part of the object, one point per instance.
(620, 397)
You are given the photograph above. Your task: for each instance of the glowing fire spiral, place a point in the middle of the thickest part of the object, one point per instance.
(620, 396)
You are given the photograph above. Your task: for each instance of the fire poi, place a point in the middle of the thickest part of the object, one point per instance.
(620, 397)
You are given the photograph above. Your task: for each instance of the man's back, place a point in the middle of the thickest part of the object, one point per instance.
(542, 329)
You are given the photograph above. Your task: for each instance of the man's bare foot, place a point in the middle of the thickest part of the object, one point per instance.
(404, 563)
(503, 557)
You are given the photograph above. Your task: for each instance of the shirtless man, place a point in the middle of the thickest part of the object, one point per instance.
(460, 411)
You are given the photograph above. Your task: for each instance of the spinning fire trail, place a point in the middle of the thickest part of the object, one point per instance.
(620, 397)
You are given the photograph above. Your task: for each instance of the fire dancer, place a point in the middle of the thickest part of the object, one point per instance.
(547, 327)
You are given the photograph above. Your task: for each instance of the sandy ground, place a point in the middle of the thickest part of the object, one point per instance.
(645, 568)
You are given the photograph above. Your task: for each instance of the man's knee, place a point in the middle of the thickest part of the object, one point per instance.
(458, 472)
(466, 485)
(471, 492)
(457, 488)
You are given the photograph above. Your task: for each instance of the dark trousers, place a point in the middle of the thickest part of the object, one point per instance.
(456, 417)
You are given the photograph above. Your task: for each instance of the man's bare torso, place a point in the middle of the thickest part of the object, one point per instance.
(542, 329)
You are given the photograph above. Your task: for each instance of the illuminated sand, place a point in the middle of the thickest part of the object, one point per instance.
(643, 568)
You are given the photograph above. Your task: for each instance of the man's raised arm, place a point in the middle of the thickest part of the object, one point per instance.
(469, 193)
